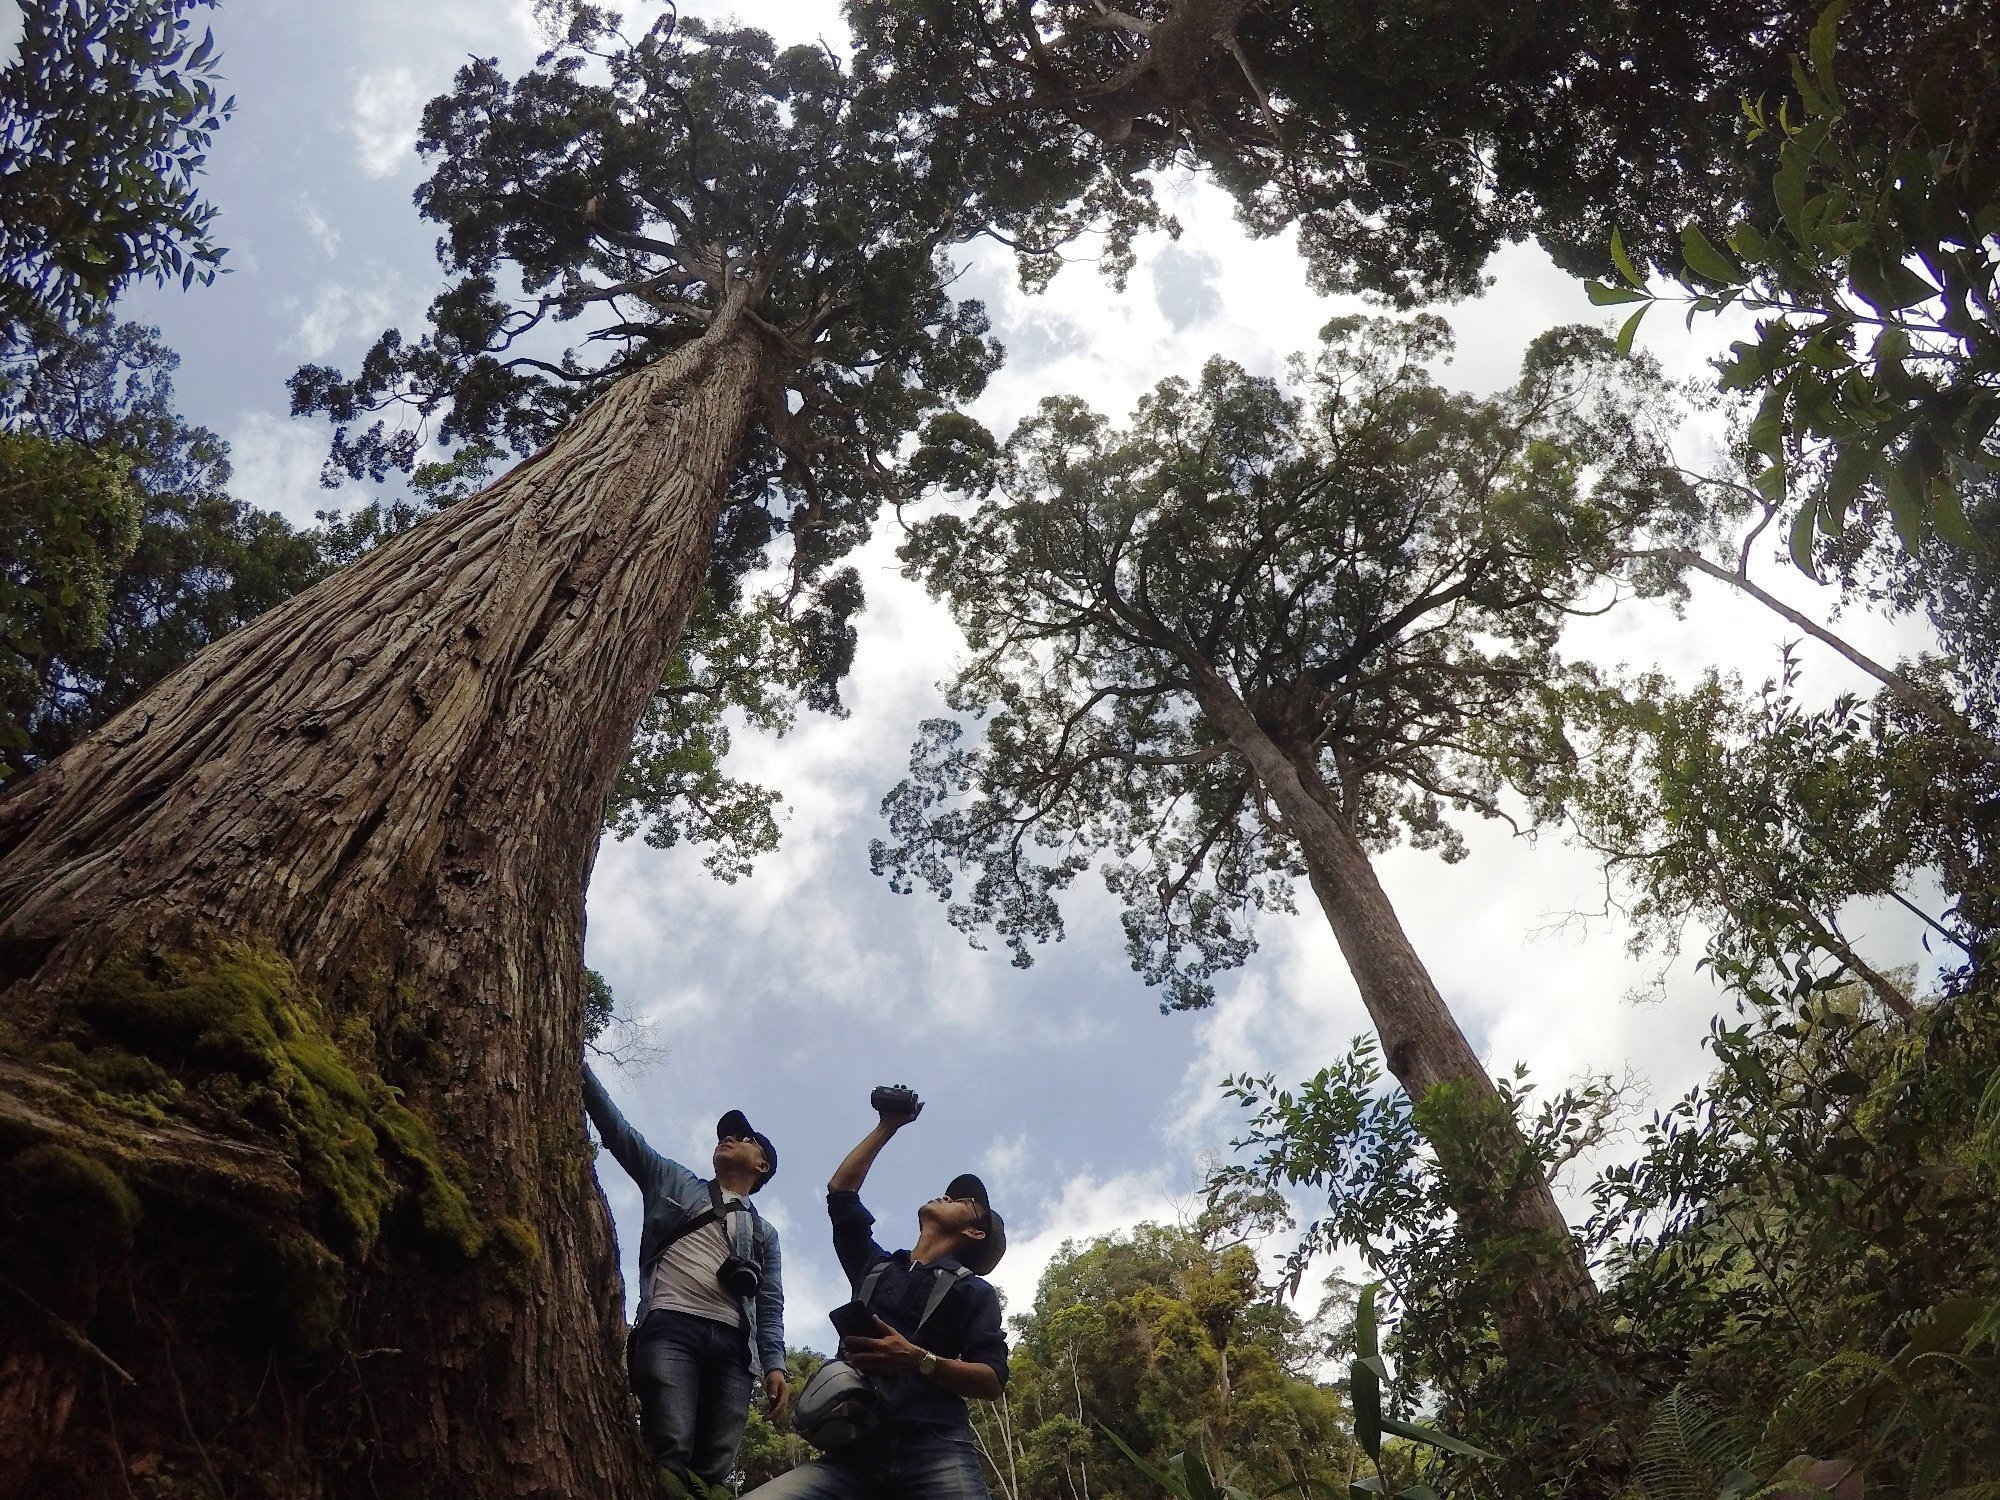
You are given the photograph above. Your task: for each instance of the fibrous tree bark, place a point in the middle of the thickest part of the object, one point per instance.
(395, 783)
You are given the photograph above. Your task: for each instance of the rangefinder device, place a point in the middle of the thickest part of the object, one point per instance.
(894, 1099)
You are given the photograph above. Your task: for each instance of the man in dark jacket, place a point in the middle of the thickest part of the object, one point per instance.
(711, 1293)
(931, 1352)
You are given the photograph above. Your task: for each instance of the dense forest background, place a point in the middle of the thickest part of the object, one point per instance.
(759, 386)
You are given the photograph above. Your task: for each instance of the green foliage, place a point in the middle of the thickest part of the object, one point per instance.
(1378, 568)
(758, 660)
(1878, 364)
(1366, 1379)
(1799, 1288)
(1760, 818)
(188, 566)
(1816, 1229)
(1453, 1263)
(593, 180)
(1405, 144)
(1146, 1350)
(68, 520)
(105, 120)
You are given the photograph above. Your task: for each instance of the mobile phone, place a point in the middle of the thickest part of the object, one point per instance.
(854, 1320)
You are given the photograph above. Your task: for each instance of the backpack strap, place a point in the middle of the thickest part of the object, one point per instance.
(941, 1285)
(865, 1294)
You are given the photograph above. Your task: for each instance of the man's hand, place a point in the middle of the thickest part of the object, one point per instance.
(778, 1391)
(893, 1119)
(885, 1355)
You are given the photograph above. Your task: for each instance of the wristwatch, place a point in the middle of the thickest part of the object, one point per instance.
(927, 1366)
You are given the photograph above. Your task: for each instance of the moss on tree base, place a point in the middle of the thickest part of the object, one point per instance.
(191, 1159)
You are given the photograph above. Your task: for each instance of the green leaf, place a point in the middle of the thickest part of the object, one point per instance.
(1364, 1394)
(1803, 525)
(1750, 244)
(1815, 102)
(1821, 45)
(1767, 428)
(1707, 261)
(1602, 294)
(1631, 328)
(1430, 1435)
(1850, 471)
(1364, 1323)
(1166, 1481)
(1948, 515)
(1906, 504)
(1892, 345)
(1624, 262)
(1789, 186)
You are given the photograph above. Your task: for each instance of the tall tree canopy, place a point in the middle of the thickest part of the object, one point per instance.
(1255, 636)
(1408, 143)
(105, 118)
(354, 835)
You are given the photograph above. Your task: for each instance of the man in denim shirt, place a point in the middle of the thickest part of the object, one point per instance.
(927, 1367)
(698, 1347)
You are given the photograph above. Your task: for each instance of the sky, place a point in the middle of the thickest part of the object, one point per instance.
(793, 992)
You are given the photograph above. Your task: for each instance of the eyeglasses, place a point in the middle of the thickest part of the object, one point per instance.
(985, 1220)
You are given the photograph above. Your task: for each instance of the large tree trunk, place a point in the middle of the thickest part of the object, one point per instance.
(394, 784)
(1421, 1040)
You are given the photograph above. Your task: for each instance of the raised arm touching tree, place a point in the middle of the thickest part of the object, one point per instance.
(328, 877)
(1256, 636)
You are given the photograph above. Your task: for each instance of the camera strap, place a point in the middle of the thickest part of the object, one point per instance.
(718, 1207)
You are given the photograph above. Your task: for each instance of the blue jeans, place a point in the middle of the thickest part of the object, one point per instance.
(915, 1463)
(693, 1384)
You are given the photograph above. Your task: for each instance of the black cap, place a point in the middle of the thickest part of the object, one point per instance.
(734, 1124)
(984, 1256)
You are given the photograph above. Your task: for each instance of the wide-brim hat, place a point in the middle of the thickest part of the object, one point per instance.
(735, 1124)
(982, 1257)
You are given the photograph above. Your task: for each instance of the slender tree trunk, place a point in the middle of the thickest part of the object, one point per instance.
(395, 782)
(1421, 1040)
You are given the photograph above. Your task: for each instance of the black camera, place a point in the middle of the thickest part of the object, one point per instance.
(740, 1277)
(894, 1099)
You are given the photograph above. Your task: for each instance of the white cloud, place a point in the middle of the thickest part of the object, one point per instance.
(338, 311)
(277, 464)
(317, 225)
(387, 103)
(1005, 1160)
(1084, 1207)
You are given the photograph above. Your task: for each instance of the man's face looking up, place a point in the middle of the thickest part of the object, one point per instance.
(961, 1216)
(740, 1154)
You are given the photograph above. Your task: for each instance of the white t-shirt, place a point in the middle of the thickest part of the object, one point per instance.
(684, 1278)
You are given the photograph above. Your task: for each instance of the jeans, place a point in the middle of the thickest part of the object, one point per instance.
(920, 1463)
(693, 1385)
